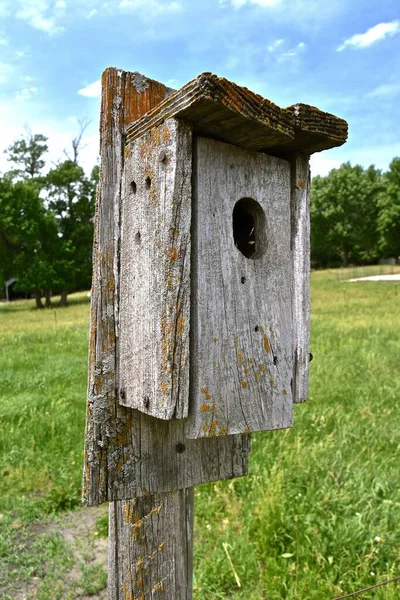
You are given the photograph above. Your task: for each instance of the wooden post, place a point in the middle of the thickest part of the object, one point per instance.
(200, 305)
(151, 547)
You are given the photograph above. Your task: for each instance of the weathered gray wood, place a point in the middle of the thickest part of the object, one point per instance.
(129, 454)
(155, 272)
(301, 268)
(151, 547)
(222, 110)
(241, 352)
(125, 97)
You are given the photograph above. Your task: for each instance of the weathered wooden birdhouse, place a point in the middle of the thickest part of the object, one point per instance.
(200, 312)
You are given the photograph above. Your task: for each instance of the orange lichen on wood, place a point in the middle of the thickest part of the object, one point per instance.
(267, 346)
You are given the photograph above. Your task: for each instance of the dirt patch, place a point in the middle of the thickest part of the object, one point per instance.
(73, 565)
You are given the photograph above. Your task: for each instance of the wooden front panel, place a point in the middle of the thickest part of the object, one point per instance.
(155, 272)
(241, 362)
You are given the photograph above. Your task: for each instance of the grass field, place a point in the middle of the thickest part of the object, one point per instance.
(317, 517)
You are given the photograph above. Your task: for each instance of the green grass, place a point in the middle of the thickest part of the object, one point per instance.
(318, 515)
(43, 358)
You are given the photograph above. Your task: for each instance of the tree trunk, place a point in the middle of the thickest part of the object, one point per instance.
(47, 295)
(63, 299)
(345, 255)
(38, 298)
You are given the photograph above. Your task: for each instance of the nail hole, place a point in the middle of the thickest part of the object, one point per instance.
(243, 279)
(180, 448)
(163, 157)
(138, 238)
(133, 187)
(248, 220)
(148, 182)
(256, 328)
(275, 360)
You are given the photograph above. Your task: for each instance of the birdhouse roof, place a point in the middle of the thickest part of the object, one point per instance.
(220, 109)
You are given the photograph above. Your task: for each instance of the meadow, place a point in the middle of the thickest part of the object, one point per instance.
(317, 517)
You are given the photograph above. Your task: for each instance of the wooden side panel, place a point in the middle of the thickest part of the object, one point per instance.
(155, 272)
(301, 267)
(129, 454)
(241, 352)
(151, 547)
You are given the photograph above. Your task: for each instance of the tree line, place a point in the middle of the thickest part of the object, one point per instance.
(46, 220)
(355, 215)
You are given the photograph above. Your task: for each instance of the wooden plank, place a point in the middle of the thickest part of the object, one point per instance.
(151, 547)
(129, 454)
(225, 111)
(155, 272)
(241, 348)
(125, 97)
(301, 181)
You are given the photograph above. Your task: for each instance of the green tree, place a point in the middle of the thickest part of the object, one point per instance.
(344, 211)
(389, 212)
(27, 155)
(27, 234)
(71, 198)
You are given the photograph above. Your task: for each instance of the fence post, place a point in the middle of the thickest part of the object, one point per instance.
(199, 309)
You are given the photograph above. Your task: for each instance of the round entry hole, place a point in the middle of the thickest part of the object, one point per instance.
(248, 220)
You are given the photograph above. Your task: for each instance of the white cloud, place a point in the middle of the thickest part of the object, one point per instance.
(274, 45)
(320, 165)
(240, 3)
(151, 6)
(93, 90)
(36, 13)
(385, 90)
(281, 55)
(371, 36)
(25, 94)
(292, 52)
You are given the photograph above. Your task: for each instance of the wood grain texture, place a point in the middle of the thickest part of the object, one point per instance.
(155, 272)
(125, 97)
(129, 454)
(225, 111)
(241, 347)
(301, 180)
(151, 547)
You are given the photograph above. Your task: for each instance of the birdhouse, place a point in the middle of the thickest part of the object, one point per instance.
(208, 275)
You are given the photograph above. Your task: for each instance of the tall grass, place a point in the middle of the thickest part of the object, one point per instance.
(318, 514)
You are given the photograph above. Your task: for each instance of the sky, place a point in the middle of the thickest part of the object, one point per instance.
(342, 56)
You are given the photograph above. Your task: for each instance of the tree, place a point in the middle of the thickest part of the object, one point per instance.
(71, 198)
(27, 155)
(344, 211)
(389, 212)
(28, 233)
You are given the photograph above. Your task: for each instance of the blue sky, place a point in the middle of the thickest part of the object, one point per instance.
(340, 55)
